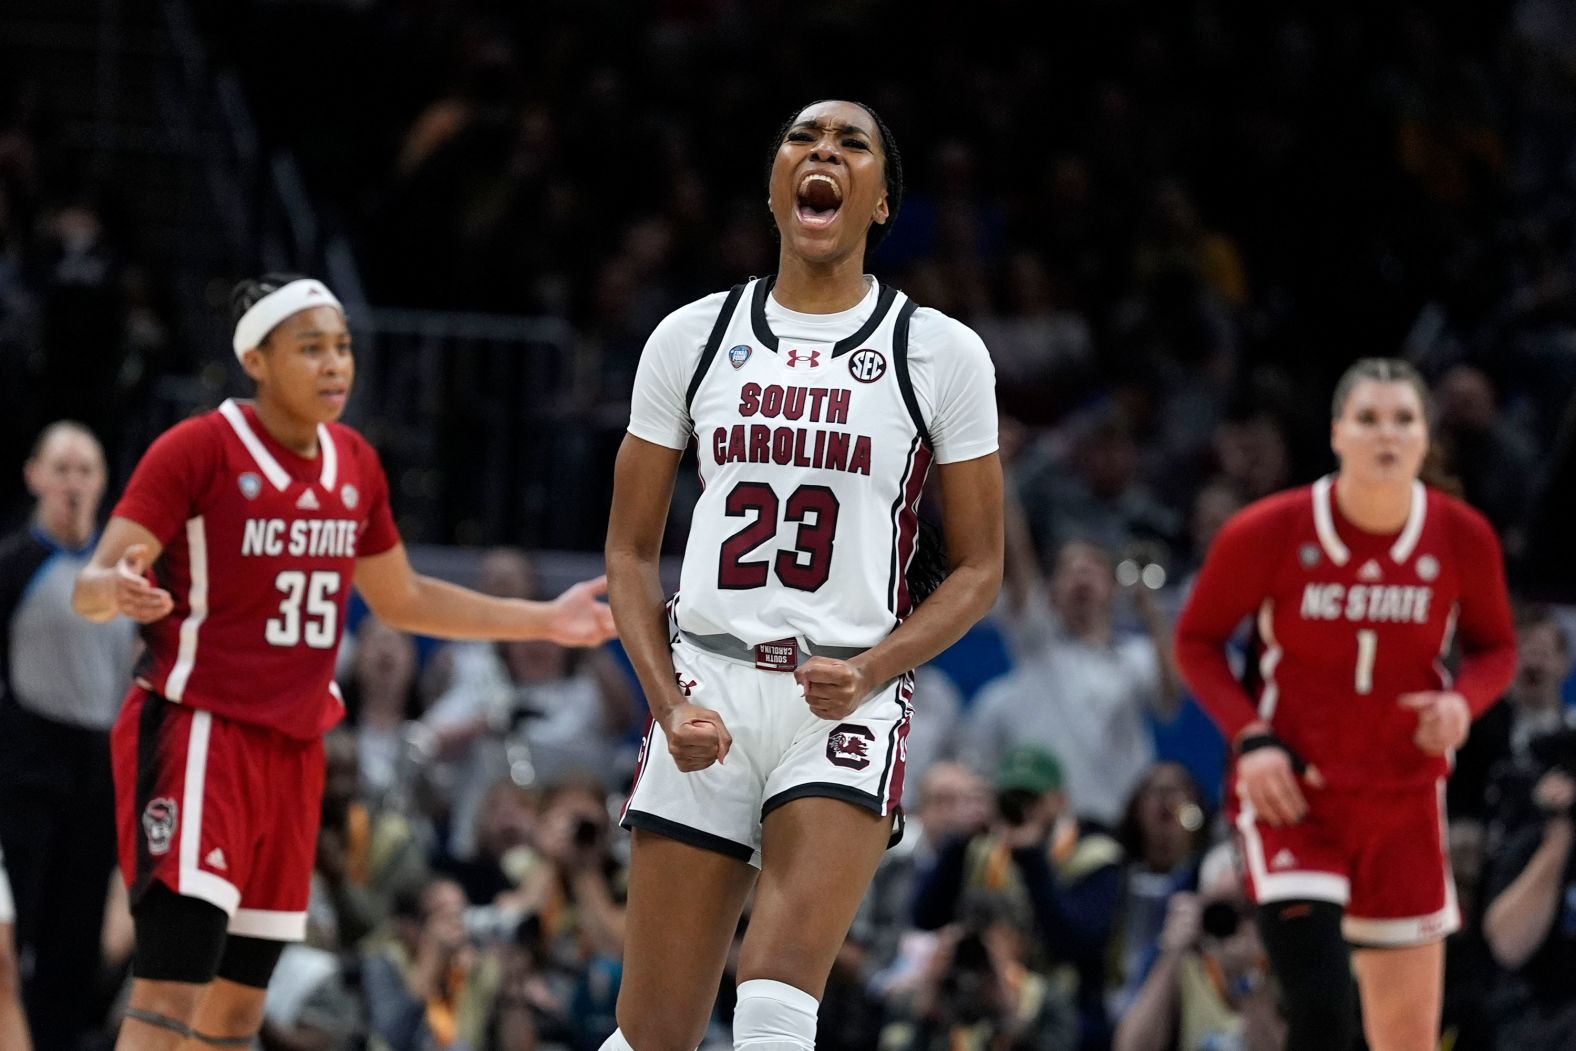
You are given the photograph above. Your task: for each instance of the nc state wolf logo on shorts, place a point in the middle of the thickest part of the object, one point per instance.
(849, 745)
(159, 819)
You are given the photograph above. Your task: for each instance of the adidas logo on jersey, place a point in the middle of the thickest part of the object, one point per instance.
(215, 860)
(307, 501)
(1370, 571)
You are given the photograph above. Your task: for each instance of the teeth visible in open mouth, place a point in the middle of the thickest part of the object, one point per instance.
(814, 180)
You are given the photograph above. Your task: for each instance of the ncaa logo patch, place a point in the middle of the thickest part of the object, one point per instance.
(849, 745)
(251, 485)
(351, 496)
(1308, 555)
(159, 819)
(737, 356)
(867, 365)
(1427, 567)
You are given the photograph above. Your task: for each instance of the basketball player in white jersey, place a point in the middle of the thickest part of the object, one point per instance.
(780, 690)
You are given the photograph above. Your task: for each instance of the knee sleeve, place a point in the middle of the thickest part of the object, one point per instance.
(1313, 966)
(179, 939)
(249, 961)
(773, 1016)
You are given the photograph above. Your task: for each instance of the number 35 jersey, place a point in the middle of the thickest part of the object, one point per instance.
(1347, 623)
(814, 434)
(260, 547)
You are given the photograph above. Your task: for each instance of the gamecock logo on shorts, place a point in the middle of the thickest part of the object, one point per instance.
(849, 745)
(159, 819)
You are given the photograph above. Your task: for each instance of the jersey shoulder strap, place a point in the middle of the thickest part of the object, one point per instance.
(712, 343)
(905, 383)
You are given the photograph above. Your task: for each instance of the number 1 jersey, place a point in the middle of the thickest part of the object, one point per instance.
(814, 434)
(260, 548)
(1348, 622)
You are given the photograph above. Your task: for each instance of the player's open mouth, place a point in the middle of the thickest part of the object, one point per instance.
(819, 200)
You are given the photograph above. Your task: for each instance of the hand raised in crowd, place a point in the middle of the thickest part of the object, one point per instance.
(1443, 720)
(696, 737)
(1268, 782)
(1555, 794)
(832, 688)
(1184, 923)
(580, 618)
(134, 595)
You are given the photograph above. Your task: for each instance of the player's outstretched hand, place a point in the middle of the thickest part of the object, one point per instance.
(580, 618)
(134, 596)
(1443, 720)
(1267, 781)
(696, 737)
(832, 688)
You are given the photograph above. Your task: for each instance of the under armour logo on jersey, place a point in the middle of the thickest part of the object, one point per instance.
(797, 357)
(867, 365)
(307, 501)
(1370, 571)
(215, 860)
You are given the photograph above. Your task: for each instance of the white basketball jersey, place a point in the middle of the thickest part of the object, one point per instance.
(813, 457)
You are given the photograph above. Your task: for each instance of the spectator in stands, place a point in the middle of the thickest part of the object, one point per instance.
(1163, 833)
(1495, 462)
(1079, 688)
(1061, 880)
(433, 983)
(1530, 923)
(366, 854)
(381, 701)
(1209, 987)
(61, 681)
(978, 991)
(533, 712)
(1494, 769)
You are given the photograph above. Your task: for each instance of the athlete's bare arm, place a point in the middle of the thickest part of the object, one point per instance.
(422, 605)
(115, 582)
(642, 491)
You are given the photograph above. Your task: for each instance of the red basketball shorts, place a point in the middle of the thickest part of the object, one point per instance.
(218, 810)
(1380, 853)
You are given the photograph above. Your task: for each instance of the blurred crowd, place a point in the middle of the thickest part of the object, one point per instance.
(1172, 224)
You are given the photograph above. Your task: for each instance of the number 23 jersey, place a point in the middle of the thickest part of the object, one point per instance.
(814, 434)
(260, 548)
(1347, 623)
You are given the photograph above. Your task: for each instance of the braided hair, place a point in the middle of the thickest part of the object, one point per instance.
(249, 290)
(891, 168)
(929, 566)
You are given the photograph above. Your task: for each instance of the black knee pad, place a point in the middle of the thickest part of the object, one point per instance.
(179, 939)
(249, 961)
(1313, 966)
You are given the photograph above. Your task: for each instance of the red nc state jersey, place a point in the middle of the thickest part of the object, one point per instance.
(1348, 622)
(260, 546)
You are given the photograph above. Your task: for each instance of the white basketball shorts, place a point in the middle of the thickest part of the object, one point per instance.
(781, 751)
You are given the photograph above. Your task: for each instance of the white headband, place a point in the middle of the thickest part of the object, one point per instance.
(261, 317)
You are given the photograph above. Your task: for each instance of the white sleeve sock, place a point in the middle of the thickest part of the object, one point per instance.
(773, 1016)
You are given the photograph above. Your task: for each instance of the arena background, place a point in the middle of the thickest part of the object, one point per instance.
(1173, 223)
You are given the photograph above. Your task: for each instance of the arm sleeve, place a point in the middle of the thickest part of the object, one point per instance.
(164, 489)
(1232, 584)
(1483, 624)
(955, 383)
(659, 404)
(379, 534)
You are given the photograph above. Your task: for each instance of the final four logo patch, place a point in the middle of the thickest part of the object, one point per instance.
(251, 485)
(737, 356)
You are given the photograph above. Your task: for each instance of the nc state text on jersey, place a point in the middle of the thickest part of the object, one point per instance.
(308, 537)
(1384, 603)
(793, 446)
